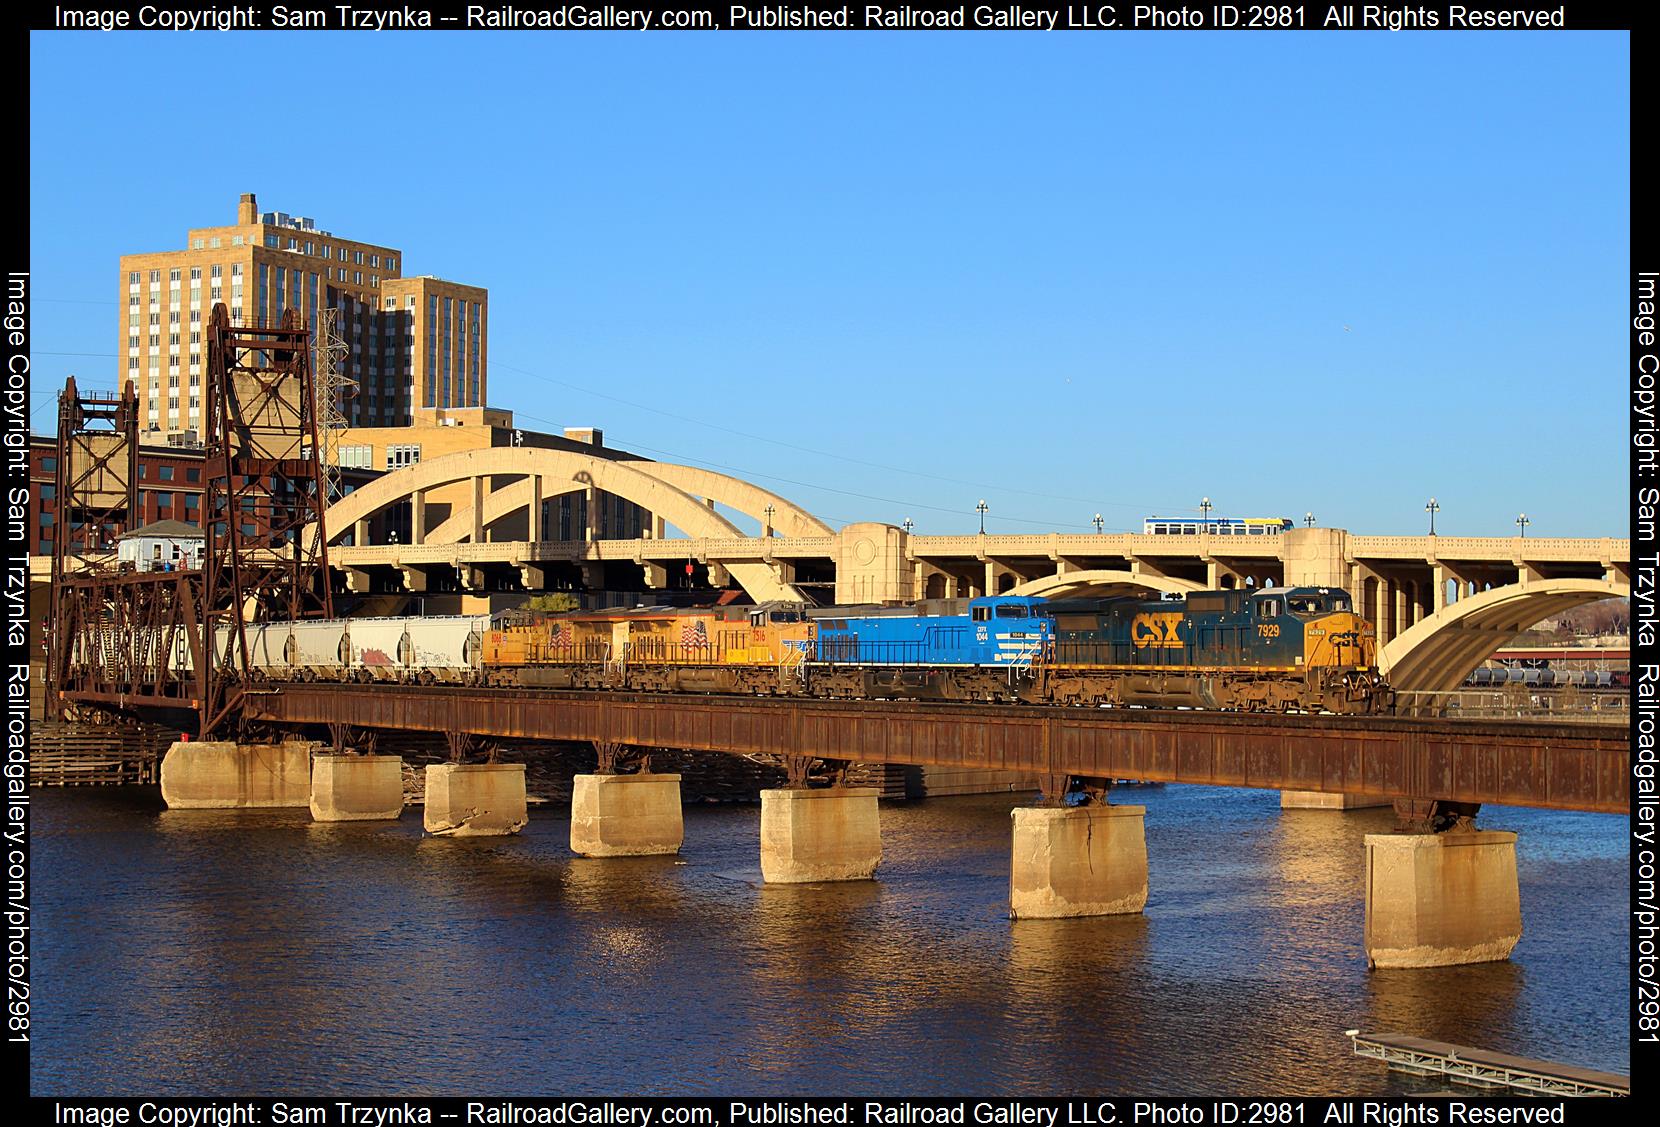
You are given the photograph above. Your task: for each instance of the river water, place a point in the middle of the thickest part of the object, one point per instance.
(210, 953)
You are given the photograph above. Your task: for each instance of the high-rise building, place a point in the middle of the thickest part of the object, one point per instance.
(412, 344)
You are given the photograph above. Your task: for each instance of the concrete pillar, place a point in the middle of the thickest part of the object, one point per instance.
(657, 576)
(418, 517)
(1380, 593)
(360, 533)
(356, 788)
(1322, 800)
(1440, 588)
(718, 575)
(534, 517)
(819, 835)
(1078, 861)
(1437, 900)
(1398, 624)
(357, 580)
(475, 799)
(223, 775)
(626, 815)
(478, 510)
(414, 578)
(659, 527)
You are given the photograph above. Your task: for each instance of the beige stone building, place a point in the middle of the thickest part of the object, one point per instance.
(413, 344)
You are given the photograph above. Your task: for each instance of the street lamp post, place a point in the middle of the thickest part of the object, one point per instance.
(907, 524)
(1308, 519)
(1432, 508)
(769, 510)
(1097, 522)
(981, 508)
(1204, 508)
(1522, 522)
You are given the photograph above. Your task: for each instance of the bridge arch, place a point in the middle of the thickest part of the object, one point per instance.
(563, 471)
(1441, 651)
(1077, 584)
(788, 518)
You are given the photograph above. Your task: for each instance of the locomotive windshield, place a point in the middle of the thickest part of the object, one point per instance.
(1009, 610)
(1318, 604)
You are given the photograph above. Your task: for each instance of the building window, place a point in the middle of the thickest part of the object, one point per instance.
(155, 277)
(215, 242)
(398, 457)
(47, 492)
(236, 269)
(132, 278)
(173, 274)
(236, 240)
(165, 473)
(359, 457)
(196, 274)
(197, 244)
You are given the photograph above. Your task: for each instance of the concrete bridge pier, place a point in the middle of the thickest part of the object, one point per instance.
(809, 836)
(1441, 899)
(224, 775)
(475, 799)
(626, 815)
(1088, 860)
(356, 788)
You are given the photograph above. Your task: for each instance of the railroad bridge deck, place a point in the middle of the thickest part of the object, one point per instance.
(1560, 766)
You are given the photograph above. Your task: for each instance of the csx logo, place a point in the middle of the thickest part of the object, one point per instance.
(1149, 631)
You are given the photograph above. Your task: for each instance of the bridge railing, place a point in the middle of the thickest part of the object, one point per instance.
(1502, 704)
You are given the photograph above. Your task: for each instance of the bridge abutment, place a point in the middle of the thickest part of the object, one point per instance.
(475, 799)
(1441, 899)
(819, 835)
(223, 775)
(1078, 861)
(356, 788)
(626, 815)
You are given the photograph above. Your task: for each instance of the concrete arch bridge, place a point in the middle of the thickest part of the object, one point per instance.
(477, 523)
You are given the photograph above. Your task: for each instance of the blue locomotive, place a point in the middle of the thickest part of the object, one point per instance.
(985, 654)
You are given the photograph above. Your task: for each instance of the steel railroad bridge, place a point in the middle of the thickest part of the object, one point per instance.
(1441, 893)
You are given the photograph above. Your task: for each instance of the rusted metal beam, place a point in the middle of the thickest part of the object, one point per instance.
(1559, 766)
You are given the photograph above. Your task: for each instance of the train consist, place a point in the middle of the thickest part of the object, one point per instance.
(1275, 649)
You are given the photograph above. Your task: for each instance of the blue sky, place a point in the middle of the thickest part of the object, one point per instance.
(888, 275)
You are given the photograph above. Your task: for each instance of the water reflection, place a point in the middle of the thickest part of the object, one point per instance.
(255, 951)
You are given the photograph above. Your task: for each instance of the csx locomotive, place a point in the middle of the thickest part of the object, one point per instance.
(1273, 649)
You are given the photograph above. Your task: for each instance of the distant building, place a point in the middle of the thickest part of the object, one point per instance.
(166, 545)
(412, 344)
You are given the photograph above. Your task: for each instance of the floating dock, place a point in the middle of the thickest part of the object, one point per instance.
(1485, 1069)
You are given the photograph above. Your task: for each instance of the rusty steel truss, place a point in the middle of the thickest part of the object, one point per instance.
(266, 556)
(125, 640)
(97, 500)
